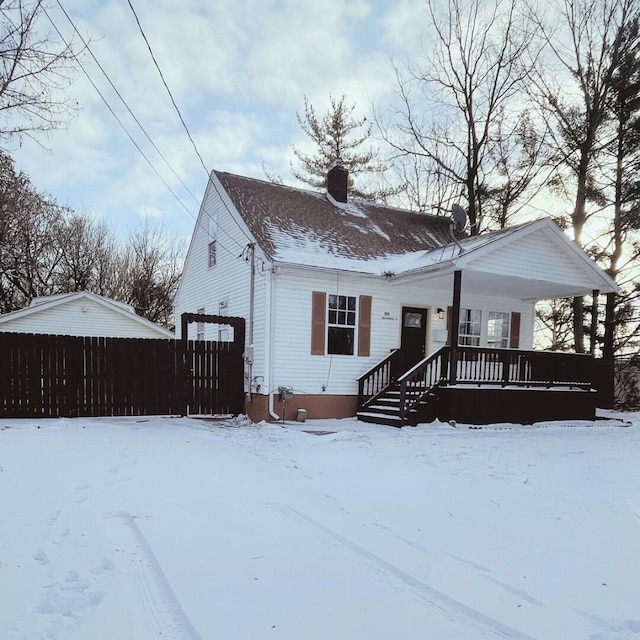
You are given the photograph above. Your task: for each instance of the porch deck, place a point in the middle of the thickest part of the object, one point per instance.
(478, 386)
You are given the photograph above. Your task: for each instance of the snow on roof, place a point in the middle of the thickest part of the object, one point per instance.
(79, 294)
(310, 228)
(302, 227)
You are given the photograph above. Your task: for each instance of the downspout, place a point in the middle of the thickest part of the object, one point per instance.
(269, 346)
(252, 286)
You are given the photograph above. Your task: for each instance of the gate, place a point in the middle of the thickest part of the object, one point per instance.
(215, 370)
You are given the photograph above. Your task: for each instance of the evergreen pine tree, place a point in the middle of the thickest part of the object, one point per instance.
(339, 136)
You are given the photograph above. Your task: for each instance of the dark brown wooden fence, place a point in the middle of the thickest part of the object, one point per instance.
(52, 376)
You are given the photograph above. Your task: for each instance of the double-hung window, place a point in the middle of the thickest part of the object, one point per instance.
(498, 329)
(341, 324)
(470, 327)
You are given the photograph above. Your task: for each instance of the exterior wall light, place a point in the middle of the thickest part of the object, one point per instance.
(440, 312)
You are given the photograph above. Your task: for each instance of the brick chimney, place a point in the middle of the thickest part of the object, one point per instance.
(337, 180)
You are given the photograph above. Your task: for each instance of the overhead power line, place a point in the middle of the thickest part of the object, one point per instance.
(137, 121)
(124, 102)
(115, 115)
(166, 86)
(184, 124)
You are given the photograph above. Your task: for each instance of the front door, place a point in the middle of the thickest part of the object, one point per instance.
(413, 335)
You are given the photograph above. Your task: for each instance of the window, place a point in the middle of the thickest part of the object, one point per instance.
(224, 330)
(470, 327)
(498, 329)
(333, 324)
(200, 326)
(213, 236)
(493, 329)
(413, 320)
(341, 325)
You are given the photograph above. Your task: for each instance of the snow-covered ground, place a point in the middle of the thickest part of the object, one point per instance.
(183, 529)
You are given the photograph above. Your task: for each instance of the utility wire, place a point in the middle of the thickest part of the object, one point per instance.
(115, 115)
(184, 124)
(166, 86)
(124, 102)
(119, 121)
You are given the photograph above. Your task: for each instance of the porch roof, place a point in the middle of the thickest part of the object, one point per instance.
(532, 261)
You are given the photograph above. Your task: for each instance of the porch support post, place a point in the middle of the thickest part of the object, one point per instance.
(455, 326)
(594, 321)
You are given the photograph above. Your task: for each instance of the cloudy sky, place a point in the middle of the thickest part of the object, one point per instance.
(238, 71)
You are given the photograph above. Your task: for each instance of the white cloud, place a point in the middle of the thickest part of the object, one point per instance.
(238, 71)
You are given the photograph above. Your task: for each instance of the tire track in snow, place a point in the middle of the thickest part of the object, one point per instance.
(156, 611)
(432, 595)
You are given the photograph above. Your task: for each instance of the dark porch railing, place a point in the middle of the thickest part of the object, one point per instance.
(379, 377)
(523, 368)
(474, 366)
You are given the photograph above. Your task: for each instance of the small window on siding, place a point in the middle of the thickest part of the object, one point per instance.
(333, 324)
(213, 236)
(200, 326)
(341, 325)
(224, 330)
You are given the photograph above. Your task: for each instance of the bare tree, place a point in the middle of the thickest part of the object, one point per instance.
(553, 325)
(470, 76)
(520, 159)
(35, 71)
(573, 88)
(89, 260)
(29, 251)
(624, 185)
(46, 249)
(151, 267)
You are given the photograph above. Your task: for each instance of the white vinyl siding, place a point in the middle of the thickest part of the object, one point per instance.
(531, 258)
(294, 364)
(200, 326)
(225, 287)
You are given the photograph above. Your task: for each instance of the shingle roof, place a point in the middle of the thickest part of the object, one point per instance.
(284, 220)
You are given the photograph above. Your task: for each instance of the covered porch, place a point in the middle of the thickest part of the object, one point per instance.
(473, 382)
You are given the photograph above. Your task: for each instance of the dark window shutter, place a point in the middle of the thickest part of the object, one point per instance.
(318, 316)
(449, 325)
(514, 339)
(364, 326)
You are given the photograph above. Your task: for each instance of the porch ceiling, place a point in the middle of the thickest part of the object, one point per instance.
(485, 283)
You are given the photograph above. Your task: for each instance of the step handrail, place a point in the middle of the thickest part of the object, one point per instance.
(374, 381)
(421, 379)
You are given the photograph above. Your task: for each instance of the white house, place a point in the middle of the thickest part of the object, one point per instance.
(81, 314)
(329, 288)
